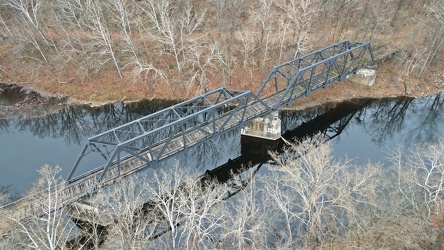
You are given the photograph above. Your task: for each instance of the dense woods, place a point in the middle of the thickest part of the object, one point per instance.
(190, 46)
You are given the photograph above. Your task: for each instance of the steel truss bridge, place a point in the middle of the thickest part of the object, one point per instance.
(141, 143)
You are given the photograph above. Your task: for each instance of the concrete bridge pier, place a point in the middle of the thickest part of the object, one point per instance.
(261, 135)
(267, 127)
(93, 224)
(83, 211)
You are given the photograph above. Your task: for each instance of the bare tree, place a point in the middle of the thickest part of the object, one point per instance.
(437, 9)
(31, 10)
(124, 15)
(284, 26)
(201, 224)
(8, 233)
(435, 38)
(102, 35)
(123, 203)
(5, 30)
(317, 196)
(86, 35)
(53, 228)
(244, 218)
(68, 21)
(203, 56)
(247, 48)
(31, 31)
(5, 196)
(179, 210)
(301, 14)
(421, 176)
(263, 17)
(172, 25)
(409, 200)
(228, 15)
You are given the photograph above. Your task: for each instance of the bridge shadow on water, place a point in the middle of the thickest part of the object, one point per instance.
(248, 155)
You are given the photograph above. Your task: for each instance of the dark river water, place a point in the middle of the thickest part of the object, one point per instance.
(363, 130)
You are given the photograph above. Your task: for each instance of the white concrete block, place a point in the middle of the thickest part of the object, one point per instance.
(364, 76)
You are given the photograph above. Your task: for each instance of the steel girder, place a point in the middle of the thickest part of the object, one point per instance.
(152, 137)
(305, 74)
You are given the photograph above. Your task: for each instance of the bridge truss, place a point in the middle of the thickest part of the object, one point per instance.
(299, 77)
(142, 142)
(161, 134)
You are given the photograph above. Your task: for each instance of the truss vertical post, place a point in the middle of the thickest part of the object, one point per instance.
(118, 162)
(77, 162)
(105, 169)
(291, 94)
(344, 67)
(313, 69)
(328, 74)
(182, 128)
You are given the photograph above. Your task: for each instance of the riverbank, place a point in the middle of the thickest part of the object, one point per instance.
(34, 100)
(387, 84)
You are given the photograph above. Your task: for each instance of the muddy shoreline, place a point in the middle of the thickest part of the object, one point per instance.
(28, 102)
(21, 101)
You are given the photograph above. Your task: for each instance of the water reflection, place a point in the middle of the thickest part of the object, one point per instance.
(358, 128)
(27, 144)
(407, 120)
(76, 123)
(388, 124)
(390, 118)
(330, 120)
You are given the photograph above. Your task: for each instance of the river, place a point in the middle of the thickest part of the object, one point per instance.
(362, 130)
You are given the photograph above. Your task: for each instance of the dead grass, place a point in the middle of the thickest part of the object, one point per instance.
(105, 89)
